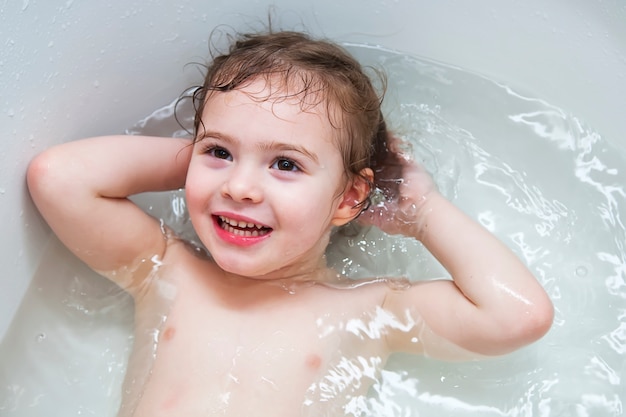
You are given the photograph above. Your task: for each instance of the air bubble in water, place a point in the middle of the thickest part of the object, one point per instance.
(582, 271)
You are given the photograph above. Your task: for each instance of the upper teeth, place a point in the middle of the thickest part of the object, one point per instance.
(240, 224)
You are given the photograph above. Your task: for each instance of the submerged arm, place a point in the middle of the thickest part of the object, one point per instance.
(81, 189)
(493, 304)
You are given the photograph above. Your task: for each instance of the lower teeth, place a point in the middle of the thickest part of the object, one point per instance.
(245, 233)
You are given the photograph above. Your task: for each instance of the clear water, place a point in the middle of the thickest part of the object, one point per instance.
(548, 185)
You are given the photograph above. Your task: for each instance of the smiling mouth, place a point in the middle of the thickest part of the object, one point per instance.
(241, 228)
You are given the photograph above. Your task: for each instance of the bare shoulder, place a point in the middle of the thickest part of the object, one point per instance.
(184, 263)
(398, 313)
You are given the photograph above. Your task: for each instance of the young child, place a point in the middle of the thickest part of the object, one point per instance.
(289, 141)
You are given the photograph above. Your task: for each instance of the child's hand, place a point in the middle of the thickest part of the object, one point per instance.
(402, 188)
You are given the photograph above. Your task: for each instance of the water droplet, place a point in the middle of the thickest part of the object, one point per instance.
(582, 271)
(40, 337)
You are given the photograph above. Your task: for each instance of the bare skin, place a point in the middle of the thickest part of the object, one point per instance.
(262, 327)
(259, 349)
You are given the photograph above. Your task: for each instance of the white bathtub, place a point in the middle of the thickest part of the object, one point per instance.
(70, 69)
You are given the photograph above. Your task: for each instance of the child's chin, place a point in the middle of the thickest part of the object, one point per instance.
(235, 267)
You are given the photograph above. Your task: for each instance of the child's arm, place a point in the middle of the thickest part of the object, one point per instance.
(493, 305)
(81, 189)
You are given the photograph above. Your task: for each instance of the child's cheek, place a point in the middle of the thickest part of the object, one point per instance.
(192, 195)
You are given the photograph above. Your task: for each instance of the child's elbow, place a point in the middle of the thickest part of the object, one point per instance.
(540, 319)
(43, 177)
(38, 172)
(519, 327)
(532, 324)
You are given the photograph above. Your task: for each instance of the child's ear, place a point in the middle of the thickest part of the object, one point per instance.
(356, 192)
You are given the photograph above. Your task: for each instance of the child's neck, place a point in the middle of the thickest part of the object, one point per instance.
(293, 275)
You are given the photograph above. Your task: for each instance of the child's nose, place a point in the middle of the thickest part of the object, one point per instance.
(243, 185)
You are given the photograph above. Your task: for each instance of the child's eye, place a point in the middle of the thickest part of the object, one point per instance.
(283, 164)
(219, 153)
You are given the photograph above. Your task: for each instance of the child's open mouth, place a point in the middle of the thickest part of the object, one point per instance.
(241, 228)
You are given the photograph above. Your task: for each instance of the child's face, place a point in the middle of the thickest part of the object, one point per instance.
(264, 183)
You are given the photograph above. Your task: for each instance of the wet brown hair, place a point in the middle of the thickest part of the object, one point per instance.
(315, 72)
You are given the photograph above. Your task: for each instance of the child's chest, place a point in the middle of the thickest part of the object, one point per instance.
(232, 353)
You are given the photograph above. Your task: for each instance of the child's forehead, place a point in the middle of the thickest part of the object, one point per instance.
(292, 93)
(303, 90)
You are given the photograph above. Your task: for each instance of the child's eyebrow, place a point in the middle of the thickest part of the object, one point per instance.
(263, 146)
(285, 147)
(216, 135)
